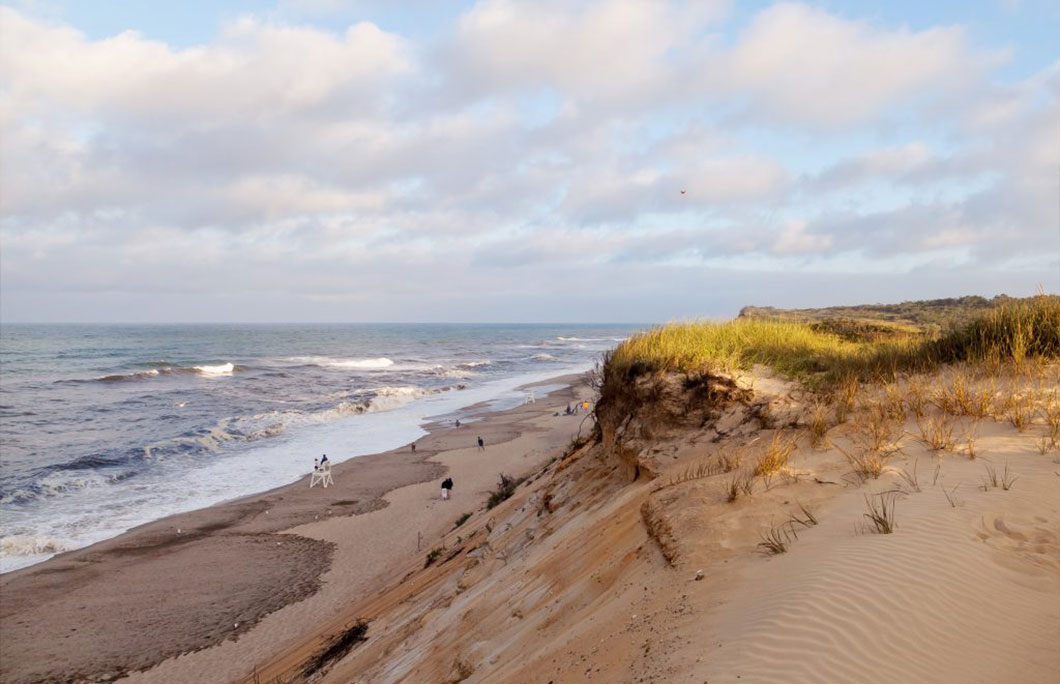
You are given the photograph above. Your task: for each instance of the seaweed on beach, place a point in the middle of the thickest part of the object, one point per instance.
(337, 647)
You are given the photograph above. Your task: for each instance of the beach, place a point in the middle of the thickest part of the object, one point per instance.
(206, 595)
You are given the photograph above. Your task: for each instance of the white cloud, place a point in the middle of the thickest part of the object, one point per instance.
(794, 239)
(255, 70)
(611, 49)
(534, 150)
(809, 66)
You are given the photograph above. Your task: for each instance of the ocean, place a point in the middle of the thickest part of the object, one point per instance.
(105, 427)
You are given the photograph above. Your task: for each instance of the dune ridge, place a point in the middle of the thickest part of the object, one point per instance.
(626, 561)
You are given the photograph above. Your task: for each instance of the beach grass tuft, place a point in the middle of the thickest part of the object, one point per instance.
(505, 488)
(336, 648)
(881, 512)
(775, 456)
(775, 541)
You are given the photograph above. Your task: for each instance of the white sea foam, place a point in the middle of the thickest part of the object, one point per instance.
(543, 357)
(329, 362)
(88, 513)
(272, 423)
(138, 375)
(223, 369)
(362, 364)
(451, 372)
(27, 545)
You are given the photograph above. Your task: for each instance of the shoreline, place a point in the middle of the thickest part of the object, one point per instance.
(135, 600)
(386, 431)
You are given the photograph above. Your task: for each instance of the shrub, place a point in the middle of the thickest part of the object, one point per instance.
(505, 488)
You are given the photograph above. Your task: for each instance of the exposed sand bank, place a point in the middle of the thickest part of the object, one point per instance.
(586, 576)
(154, 593)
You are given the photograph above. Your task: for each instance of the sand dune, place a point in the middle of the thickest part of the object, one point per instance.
(587, 576)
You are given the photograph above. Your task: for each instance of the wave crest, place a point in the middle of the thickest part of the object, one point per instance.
(221, 369)
(329, 362)
(27, 545)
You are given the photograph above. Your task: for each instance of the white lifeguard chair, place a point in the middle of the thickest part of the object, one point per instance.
(529, 398)
(322, 476)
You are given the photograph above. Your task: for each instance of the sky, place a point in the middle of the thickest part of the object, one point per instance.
(610, 160)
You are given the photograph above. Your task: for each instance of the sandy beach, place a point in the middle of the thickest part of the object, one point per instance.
(206, 595)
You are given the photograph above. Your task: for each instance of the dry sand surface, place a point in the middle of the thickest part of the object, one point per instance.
(584, 575)
(232, 585)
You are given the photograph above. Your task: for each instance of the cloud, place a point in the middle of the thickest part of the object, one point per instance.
(808, 66)
(607, 49)
(527, 150)
(255, 70)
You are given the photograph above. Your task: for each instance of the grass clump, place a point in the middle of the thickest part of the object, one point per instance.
(461, 520)
(775, 456)
(818, 426)
(994, 480)
(866, 466)
(937, 434)
(741, 484)
(776, 540)
(808, 519)
(881, 513)
(337, 647)
(504, 490)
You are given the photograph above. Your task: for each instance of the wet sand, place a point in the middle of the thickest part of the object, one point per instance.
(221, 576)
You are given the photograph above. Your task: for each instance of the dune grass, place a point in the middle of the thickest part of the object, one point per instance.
(793, 349)
(1013, 332)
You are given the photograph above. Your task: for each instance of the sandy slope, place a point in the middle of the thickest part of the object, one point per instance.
(370, 548)
(585, 576)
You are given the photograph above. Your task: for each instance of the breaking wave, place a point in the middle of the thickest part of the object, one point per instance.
(330, 362)
(272, 423)
(205, 370)
(27, 545)
(222, 369)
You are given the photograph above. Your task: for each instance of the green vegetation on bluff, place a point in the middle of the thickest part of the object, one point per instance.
(931, 316)
(1012, 331)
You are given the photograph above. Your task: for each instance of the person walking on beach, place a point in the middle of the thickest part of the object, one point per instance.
(447, 484)
(481, 444)
(413, 445)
